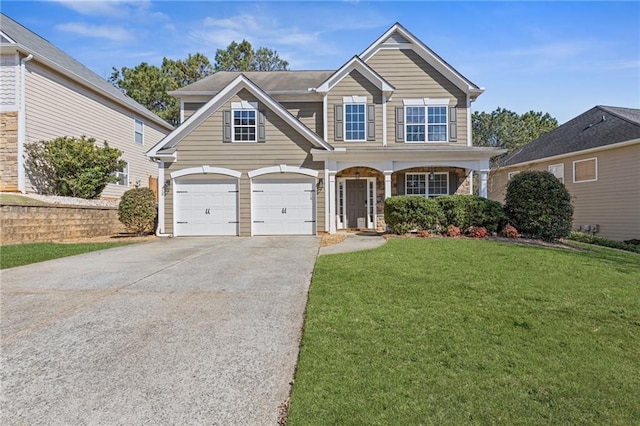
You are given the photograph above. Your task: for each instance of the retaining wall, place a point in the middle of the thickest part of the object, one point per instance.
(28, 224)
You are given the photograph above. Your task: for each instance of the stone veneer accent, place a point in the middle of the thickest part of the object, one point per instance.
(9, 151)
(30, 224)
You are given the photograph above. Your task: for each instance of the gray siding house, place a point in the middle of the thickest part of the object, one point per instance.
(302, 152)
(597, 156)
(45, 94)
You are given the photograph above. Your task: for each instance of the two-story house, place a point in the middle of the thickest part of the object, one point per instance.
(302, 152)
(45, 94)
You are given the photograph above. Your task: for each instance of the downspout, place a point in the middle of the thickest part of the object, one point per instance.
(22, 131)
(160, 227)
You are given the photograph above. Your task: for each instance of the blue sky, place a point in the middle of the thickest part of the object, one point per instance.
(556, 57)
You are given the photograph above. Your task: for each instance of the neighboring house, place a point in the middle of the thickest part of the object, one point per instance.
(597, 156)
(302, 152)
(45, 94)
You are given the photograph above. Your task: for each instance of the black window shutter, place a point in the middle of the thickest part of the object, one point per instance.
(226, 125)
(338, 128)
(400, 125)
(453, 124)
(262, 134)
(371, 122)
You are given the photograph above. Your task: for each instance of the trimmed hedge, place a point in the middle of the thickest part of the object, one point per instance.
(404, 213)
(465, 211)
(539, 205)
(137, 210)
(599, 241)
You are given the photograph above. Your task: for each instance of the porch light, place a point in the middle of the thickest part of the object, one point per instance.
(320, 184)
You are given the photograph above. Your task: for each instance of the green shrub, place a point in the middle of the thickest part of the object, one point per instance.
(72, 167)
(599, 241)
(137, 210)
(539, 205)
(464, 211)
(404, 213)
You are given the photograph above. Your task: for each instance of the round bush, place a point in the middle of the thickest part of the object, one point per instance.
(137, 210)
(539, 205)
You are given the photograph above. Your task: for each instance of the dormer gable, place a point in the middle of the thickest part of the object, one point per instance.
(359, 65)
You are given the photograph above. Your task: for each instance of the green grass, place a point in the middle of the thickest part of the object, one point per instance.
(459, 331)
(24, 254)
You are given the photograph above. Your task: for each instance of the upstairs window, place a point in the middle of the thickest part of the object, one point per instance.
(354, 122)
(138, 131)
(425, 121)
(557, 170)
(585, 170)
(123, 176)
(244, 125)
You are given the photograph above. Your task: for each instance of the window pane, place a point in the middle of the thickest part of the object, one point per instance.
(438, 184)
(437, 115)
(244, 125)
(585, 170)
(354, 121)
(438, 133)
(416, 184)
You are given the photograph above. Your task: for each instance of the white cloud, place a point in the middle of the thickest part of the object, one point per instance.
(113, 8)
(96, 31)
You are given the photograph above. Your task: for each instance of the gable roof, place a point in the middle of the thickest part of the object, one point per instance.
(271, 82)
(359, 65)
(166, 147)
(399, 37)
(599, 127)
(28, 42)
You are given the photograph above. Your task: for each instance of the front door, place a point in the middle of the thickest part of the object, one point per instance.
(356, 191)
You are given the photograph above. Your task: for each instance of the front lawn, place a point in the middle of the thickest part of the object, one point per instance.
(459, 331)
(24, 254)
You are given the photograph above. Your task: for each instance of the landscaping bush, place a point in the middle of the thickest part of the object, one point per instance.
(404, 213)
(477, 232)
(599, 241)
(72, 167)
(464, 211)
(510, 232)
(452, 231)
(137, 210)
(539, 205)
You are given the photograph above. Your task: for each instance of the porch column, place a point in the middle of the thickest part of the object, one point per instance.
(471, 182)
(387, 184)
(332, 202)
(483, 183)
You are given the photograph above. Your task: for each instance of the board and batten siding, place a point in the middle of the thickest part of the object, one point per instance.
(57, 106)
(9, 82)
(354, 84)
(414, 78)
(204, 147)
(612, 202)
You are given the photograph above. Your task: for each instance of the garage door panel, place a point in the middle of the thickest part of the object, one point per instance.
(206, 207)
(284, 207)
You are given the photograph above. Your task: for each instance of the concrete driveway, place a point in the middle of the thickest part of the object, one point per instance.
(176, 331)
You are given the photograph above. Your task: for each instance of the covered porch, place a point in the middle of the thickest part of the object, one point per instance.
(358, 181)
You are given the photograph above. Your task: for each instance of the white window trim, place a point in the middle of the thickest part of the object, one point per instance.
(119, 174)
(559, 166)
(510, 175)
(243, 106)
(135, 131)
(426, 120)
(595, 159)
(353, 99)
(372, 202)
(426, 181)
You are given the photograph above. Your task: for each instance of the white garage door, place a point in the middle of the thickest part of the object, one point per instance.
(206, 207)
(284, 207)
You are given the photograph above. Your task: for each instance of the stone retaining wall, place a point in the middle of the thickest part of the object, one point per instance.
(9, 151)
(29, 224)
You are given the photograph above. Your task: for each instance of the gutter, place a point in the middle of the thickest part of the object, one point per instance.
(22, 122)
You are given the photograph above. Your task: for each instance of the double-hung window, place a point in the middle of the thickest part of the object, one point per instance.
(245, 121)
(427, 184)
(138, 131)
(426, 120)
(557, 170)
(123, 176)
(354, 122)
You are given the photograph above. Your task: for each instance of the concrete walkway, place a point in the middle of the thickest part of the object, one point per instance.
(355, 242)
(176, 331)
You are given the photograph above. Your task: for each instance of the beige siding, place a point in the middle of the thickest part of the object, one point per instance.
(612, 202)
(414, 78)
(354, 84)
(57, 106)
(204, 146)
(309, 113)
(190, 108)
(9, 82)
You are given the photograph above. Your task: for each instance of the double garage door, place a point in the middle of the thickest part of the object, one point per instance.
(211, 207)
